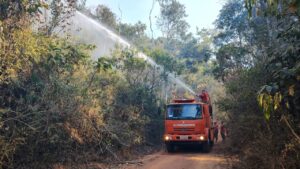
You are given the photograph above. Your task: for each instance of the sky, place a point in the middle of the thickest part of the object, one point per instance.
(201, 13)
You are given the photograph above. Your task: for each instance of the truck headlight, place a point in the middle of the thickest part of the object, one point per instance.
(168, 137)
(201, 137)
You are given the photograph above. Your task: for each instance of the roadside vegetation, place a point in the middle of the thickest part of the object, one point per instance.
(58, 106)
(258, 61)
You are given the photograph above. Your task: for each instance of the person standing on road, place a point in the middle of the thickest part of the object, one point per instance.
(223, 131)
(216, 131)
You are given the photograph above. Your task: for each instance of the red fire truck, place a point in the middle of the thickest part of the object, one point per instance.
(188, 121)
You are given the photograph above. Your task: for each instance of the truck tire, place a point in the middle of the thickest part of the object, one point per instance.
(170, 148)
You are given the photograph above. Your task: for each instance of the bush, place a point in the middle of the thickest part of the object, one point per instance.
(58, 105)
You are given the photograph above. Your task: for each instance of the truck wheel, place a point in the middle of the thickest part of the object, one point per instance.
(170, 148)
(206, 146)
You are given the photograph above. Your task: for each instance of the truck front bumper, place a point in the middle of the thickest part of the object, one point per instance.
(174, 138)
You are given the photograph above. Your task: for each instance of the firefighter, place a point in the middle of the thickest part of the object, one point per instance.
(216, 131)
(204, 96)
(223, 131)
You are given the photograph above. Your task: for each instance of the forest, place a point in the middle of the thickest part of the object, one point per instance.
(59, 105)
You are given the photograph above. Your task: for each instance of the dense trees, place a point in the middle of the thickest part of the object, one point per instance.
(172, 19)
(133, 33)
(106, 16)
(257, 56)
(57, 105)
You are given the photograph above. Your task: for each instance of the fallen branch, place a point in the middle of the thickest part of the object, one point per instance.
(291, 129)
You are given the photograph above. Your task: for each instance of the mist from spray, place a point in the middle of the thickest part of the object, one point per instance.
(90, 31)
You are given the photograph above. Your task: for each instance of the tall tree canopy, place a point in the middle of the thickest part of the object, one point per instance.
(172, 19)
(106, 16)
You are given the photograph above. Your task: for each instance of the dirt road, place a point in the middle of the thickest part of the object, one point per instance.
(187, 158)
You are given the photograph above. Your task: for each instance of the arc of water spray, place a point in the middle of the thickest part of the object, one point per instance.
(113, 36)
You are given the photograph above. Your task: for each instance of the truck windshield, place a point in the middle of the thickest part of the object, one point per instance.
(184, 112)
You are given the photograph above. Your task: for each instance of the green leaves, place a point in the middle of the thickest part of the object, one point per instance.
(274, 7)
(35, 6)
(268, 102)
(277, 97)
(104, 63)
(172, 19)
(169, 63)
(106, 16)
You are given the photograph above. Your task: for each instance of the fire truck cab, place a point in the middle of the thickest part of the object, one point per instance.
(188, 122)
